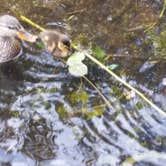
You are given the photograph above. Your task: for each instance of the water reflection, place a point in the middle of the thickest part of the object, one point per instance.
(39, 141)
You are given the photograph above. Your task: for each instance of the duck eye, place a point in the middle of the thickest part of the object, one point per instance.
(14, 27)
(11, 27)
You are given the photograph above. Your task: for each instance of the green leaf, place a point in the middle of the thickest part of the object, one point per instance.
(40, 44)
(139, 105)
(129, 161)
(95, 113)
(78, 96)
(113, 66)
(78, 69)
(61, 110)
(83, 97)
(98, 52)
(77, 57)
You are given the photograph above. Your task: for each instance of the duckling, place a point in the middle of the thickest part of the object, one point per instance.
(11, 35)
(56, 43)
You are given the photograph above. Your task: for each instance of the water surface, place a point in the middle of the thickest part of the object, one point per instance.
(36, 89)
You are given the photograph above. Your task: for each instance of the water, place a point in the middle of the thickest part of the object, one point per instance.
(36, 90)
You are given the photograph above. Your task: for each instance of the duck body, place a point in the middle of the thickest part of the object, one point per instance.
(56, 43)
(10, 48)
(11, 35)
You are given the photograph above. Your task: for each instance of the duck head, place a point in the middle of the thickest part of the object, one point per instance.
(11, 27)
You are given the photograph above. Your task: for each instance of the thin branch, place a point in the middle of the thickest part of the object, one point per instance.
(98, 91)
(163, 9)
(32, 23)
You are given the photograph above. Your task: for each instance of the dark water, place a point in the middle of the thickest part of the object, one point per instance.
(35, 88)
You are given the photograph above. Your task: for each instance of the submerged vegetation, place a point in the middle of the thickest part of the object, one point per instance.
(158, 41)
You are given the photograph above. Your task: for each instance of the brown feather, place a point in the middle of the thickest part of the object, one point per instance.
(10, 48)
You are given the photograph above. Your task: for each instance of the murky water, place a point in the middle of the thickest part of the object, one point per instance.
(36, 89)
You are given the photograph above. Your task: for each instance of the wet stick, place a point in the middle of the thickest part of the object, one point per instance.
(32, 23)
(107, 70)
(98, 91)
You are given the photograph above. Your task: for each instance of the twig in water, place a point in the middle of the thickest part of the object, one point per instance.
(98, 91)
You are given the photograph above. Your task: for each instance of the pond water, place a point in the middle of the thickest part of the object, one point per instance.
(36, 90)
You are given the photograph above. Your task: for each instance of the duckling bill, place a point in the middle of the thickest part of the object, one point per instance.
(56, 43)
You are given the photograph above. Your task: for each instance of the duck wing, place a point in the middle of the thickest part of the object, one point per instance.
(10, 48)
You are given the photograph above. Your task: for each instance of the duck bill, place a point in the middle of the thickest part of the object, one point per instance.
(26, 36)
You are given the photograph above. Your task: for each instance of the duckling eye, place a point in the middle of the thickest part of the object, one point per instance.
(66, 42)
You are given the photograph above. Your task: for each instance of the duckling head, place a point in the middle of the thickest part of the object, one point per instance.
(56, 42)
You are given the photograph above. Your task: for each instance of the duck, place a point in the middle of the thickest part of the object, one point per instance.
(57, 43)
(12, 33)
